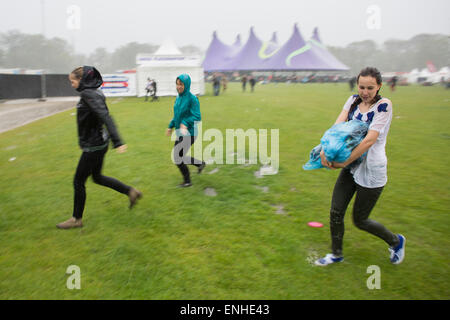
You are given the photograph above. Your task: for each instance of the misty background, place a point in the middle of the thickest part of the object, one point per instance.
(48, 34)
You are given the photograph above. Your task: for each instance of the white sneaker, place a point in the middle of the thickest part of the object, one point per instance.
(328, 259)
(398, 253)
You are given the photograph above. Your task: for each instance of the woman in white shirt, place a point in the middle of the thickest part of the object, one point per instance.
(366, 179)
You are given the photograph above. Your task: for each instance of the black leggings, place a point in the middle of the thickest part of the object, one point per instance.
(181, 147)
(91, 163)
(365, 200)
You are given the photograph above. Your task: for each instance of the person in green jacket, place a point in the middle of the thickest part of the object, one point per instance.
(186, 116)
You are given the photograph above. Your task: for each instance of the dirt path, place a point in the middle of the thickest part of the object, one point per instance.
(16, 113)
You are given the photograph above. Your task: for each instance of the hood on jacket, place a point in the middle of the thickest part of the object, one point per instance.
(186, 81)
(92, 79)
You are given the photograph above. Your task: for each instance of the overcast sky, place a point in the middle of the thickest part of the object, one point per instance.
(112, 23)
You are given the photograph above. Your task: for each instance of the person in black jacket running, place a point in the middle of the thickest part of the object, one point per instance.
(92, 116)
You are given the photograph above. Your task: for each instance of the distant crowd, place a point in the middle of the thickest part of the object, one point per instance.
(272, 78)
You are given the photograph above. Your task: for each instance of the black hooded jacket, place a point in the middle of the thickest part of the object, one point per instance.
(93, 114)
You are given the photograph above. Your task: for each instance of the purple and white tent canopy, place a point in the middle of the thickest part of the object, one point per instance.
(256, 55)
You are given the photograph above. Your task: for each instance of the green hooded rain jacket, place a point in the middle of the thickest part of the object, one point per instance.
(186, 109)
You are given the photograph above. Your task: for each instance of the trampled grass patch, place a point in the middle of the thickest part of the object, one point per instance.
(183, 244)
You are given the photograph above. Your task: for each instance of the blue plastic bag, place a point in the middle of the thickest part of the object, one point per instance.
(338, 143)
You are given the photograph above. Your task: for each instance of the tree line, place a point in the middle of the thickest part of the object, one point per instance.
(396, 55)
(56, 55)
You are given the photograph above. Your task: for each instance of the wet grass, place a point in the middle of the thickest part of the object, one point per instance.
(182, 244)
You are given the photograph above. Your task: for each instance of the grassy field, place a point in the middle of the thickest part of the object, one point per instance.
(182, 244)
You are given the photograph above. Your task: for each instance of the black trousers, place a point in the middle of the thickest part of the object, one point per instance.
(91, 164)
(365, 200)
(216, 88)
(180, 149)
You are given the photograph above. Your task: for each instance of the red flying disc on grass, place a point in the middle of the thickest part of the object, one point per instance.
(315, 224)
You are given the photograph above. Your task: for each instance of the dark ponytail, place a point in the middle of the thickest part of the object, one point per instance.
(374, 73)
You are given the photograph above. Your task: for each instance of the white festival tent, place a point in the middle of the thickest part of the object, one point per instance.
(424, 75)
(442, 74)
(164, 66)
(413, 76)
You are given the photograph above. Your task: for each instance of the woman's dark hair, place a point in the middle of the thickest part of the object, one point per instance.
(368, 71)
(78, 73)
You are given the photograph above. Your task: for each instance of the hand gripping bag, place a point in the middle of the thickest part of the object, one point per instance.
(338, 143)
